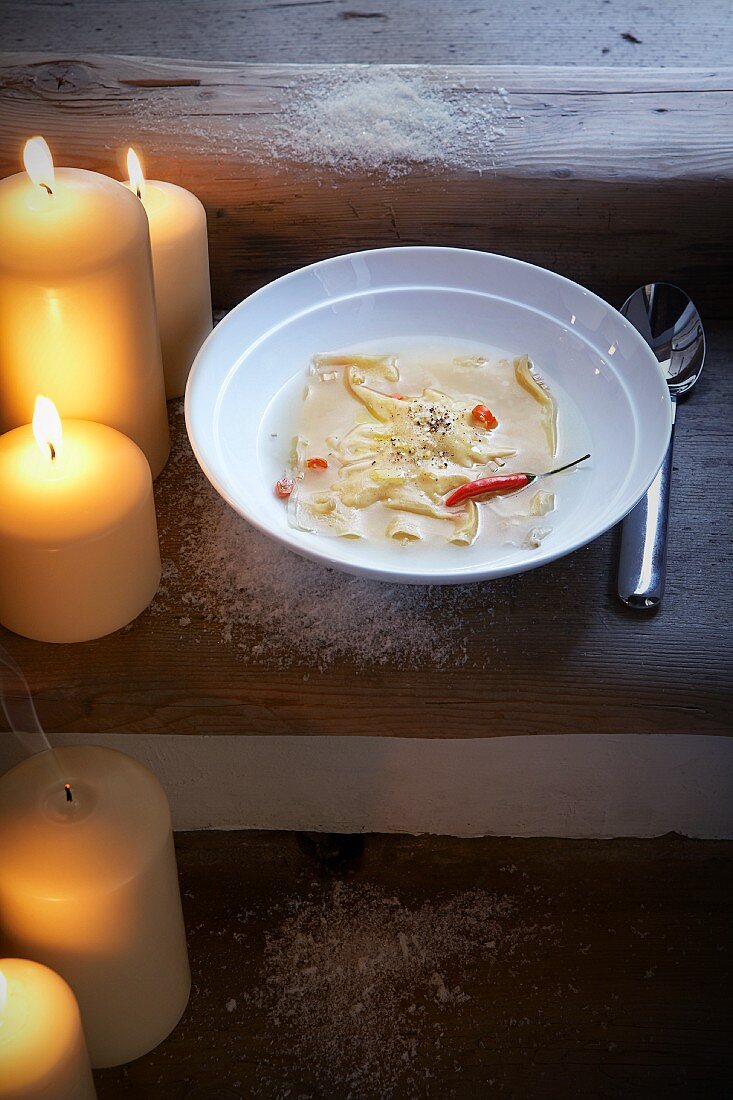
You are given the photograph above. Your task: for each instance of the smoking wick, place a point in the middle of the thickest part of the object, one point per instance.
(69, 795)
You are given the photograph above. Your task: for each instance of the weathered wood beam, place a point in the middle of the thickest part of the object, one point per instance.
(612, 177)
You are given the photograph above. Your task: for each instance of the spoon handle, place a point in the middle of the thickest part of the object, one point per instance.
(643, 556)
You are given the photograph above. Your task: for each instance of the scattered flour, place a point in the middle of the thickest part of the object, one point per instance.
(352, 980)
(280, 609)
(384, 119)
(387, 120)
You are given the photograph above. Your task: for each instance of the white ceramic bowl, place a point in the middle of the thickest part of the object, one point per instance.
(256, 360)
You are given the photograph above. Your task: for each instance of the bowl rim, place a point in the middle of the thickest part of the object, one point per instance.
(459, 574)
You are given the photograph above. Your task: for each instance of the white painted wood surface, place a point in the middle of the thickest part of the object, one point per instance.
(562, 786)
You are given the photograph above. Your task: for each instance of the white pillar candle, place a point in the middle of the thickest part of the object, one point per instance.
(79, 553)
(180, 248)
(43, 1055)
(88, 886)
(77, 309)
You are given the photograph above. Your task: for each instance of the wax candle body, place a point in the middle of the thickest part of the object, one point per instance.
(79, 553)
(43, 1055)
(89, 887)
(77, 309)
(180, 249)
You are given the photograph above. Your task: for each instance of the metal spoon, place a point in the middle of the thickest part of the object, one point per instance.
(672, 328)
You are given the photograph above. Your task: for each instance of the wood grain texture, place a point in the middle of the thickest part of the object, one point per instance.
(622, 990)
(513, 32)
(611, 177)
(550, 651)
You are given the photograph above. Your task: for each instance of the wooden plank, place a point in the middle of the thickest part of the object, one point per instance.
(619, 985)
(584, 32)
(611, 177)
(550, 651)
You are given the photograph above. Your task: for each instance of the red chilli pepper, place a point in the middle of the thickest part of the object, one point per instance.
(484, 416)
(316, 464)
(501, 483)
(284, 487)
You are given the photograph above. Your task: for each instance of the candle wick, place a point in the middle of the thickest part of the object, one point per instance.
(139, 193)
(52, 449)
(69, 795)
(46, 188)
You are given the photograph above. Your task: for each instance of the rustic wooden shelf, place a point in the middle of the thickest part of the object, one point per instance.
(550, 651)
(611, 177)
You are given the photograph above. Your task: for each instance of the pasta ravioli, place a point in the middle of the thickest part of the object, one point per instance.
(391, 457)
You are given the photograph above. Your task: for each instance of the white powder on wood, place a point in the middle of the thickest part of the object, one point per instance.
(280, 609)
(387, 120)
(373, 119)
(353, 982)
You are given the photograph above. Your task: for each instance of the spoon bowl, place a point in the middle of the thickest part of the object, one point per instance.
(672, 328)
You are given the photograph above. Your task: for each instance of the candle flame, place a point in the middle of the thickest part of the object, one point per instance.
(39, 163)
(135, 174)
(3, 991)
(47, 426)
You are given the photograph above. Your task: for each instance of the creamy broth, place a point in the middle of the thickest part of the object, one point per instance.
(392, 458)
